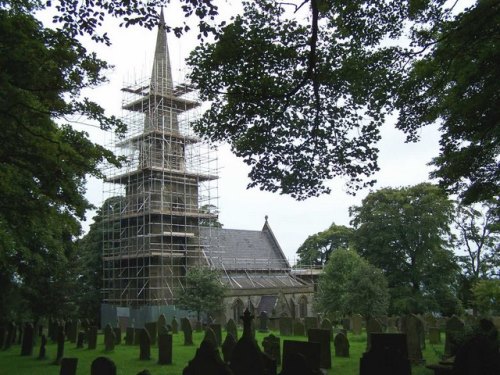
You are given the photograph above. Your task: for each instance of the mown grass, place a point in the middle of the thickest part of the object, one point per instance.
(128, 363)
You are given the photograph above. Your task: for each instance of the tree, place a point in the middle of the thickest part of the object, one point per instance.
(349, 284)
(212, 219)
(487, 296)
(405, 232)
(204, 291)
(317, 248)
(300, 89)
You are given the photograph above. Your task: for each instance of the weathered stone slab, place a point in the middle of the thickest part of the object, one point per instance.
(145, 344)
(232, 329)
(292, 350)
(322, 337)
(102, 366)
(68, 366)
(341, 344)
(357, 324)
(272, 348)
(165, 349)
(388, 355)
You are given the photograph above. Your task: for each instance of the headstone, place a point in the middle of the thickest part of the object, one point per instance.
(42, 354)
(373, 325)
(60, 344)
(145, 344)
(207, 361)
(102, 366)
(298, 328)
(187, 330)
(28, 337)
(310, 322)
(322, 337)
(413, 327)
(118, 335)
(217, 328)
(388, 355)
(151, 328)
(308, 351)
(129, 336)
(175, 326)
(210, 336)
(232, 329)
(454, 333)
(162, 321)
(286, 328)
(434, 335)
(68, 366)
(109, 338)
(327, 324)
(11, 334)
(271, 345)
(357, 324)
(165, 349)
(263, 322)
(92, 337)
(228, 346)
(80, 340)
(341, 344)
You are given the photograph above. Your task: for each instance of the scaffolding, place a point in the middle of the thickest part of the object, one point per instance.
(158, 199)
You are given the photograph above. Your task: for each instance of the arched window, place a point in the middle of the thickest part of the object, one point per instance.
(238, 309)
(303, 307)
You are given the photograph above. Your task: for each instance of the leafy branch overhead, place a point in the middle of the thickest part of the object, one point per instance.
(300, 89)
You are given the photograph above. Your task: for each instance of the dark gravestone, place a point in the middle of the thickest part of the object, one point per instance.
(357, 324)
(232, 329)
(388, 355)
(151, 328)
(434, 335)
(310, 323)
(3, 335)
(327, 324)
(263, 322)
(68, 366)
(217, 328)
(341, 344)
(102, 366)
(175, 326)
(118, 335)
(455, 330)
(42, 354)
(162, 321)
(28, 337)
(165, 348)
(298, 328)
(227, 347)
(11, 334)
(80, 340)
(373, 325)
(210, 337)
(145, 344)
(286, 328)
(129, 336)
(60, 344)
(109, 338)
(137, 336)
(271, 345)
(322, 337)
(207, 361)
(92, 337)
(413, 327)
(310, 351)
(187, 330)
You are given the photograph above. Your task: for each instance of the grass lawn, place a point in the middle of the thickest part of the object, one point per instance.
(127, 362)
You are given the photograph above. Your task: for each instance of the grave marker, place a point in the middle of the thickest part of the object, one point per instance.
(341, 344)
(165, 348)
(68, 366)
(92, 337)
(228, 346)
(286, 328)
(28, 337)
(102, 366)
(322, 337)
(109, 338)
(232, 329)
(145, 344)
(271, 345)
(187, 330)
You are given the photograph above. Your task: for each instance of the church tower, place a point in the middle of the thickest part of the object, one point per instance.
(160, 196)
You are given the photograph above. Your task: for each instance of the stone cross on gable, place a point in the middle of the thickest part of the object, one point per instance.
(247, 323)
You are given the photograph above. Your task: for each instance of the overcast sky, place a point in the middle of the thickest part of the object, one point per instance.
(292, 222)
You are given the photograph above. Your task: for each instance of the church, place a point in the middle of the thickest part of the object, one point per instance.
(157, 228)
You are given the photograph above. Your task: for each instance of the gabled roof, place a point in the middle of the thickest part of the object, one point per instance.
(236, 249)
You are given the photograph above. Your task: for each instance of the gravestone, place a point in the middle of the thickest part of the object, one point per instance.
(228, 346)
(109, 338)
(309, 351)
(207, 361)
(11, 334)
(102, 366)
(162, 321)
(129, 336)
(60, 344)
(454, 332)
(341, 344)
(322, 337)
(175, 326)
(68, 366)
(286, 328)
(80, 340)
(434, 335)
(187, 330)
(118, 335)
(92, 337)
(145, 344)
(388, 355)
(164, 348)
(271, 345)
(357, 324)
(373, 325)
(413, 327)
(153, 332)
(263, 322)
(298, 328)
(217, 328)
(28, 337)
(310, 323)
(210, 336)
(42, 354)
(327, 324)
(232, 329)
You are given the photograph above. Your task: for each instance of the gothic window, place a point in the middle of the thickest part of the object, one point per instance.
(303, 307)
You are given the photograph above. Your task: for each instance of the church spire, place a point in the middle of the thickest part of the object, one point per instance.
(161, 77)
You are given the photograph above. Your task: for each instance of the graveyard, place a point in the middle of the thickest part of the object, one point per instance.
(346, 345)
